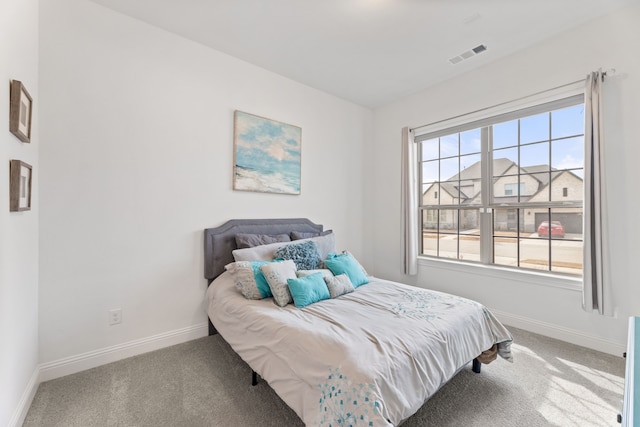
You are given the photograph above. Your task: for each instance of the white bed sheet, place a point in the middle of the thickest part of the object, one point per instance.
(371, 357)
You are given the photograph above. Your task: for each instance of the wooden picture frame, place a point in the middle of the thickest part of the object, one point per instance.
(20, 111)
(20, 178)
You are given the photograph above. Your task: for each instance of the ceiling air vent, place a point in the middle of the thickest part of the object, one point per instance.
(468, 54)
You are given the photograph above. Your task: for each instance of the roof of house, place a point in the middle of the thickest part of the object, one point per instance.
(500, 167)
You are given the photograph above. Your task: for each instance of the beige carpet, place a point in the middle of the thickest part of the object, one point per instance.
(204, 383)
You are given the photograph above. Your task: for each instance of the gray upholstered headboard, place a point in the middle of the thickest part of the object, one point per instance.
(219, 242)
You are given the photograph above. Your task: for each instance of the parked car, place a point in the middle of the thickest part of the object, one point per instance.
(557, 229)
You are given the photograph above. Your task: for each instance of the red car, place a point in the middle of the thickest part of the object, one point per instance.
(557, 229)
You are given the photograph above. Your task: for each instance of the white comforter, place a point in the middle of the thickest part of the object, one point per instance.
(371, 357)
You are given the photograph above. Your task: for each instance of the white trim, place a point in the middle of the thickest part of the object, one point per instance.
(25, 401)
(555, 94)
(564, 334)
(70, 365)
(530, 277)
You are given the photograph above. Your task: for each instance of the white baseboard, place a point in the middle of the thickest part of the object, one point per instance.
(561, 333)
(25, 401)
(70, 365)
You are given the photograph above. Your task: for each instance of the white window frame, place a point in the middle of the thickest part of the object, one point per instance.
(459, 125)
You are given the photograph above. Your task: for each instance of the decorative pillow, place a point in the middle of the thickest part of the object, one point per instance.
(345, 263)
(324, 271)
(297, 235)
(251, 240)
(249, 279)
(363, 270)
(326, 245)
(339, 285)
(304, 254)
(277, 274)
(307, 290)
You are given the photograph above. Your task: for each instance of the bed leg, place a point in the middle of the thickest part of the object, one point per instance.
(476, 366)
(254, 378)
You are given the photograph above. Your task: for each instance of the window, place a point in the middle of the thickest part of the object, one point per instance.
(503, 185)
(511, 189)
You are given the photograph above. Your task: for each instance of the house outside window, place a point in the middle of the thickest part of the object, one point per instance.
(511, 189)
(504, 187)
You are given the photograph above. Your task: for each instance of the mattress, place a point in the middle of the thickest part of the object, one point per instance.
(371, 357)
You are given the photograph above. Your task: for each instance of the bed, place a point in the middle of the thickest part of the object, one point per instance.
(369, 357)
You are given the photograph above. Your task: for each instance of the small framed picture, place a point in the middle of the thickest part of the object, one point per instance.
(20, 111)
(19, 186)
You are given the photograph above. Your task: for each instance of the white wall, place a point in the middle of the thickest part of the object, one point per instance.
(606, 42)
(137, 156)
(18, 230)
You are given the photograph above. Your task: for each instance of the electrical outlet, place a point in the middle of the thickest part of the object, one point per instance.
(115, 316)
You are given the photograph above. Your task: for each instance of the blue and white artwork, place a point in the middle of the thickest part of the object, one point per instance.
(267, 155)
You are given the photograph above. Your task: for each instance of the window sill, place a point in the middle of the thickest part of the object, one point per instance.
(529, 277)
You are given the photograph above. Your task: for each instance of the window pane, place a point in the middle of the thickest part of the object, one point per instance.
(430, 220)
(534, 128)
(506, 187)
(431, 194)
(535, 156)
(566, 223)
(448, 221)
(470, 192)
(430, 150)
(504, 160)
(540, 221)
(505, 134)
(567, 122)
(505, 222)
(430, 171)
(566, 187)
(429, 243)
(470, 142)
(534, 254)
(536, 187)
(505, 251)
(470, 167)
(568, 153)
(449, 169)
(529, 227)
(469, 238)
(566, 256)
(449, 145)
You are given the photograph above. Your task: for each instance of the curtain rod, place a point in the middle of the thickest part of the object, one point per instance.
(604, 73)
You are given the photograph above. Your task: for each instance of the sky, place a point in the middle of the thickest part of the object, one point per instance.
(555, 138)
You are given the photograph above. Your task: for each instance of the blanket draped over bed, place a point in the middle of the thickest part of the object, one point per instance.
(371, 357)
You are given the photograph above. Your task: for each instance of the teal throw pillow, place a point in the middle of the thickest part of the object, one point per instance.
(307, 290)
(345, 263)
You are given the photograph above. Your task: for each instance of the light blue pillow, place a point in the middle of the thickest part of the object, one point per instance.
(307, 290)
(345, 263)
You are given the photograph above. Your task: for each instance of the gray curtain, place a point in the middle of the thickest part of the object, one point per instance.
(596, 295)
(409, 203)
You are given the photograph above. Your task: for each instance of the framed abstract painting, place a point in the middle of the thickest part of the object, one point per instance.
(266, 155)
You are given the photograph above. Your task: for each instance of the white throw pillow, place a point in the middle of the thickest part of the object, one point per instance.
(339, 285)
(277, 274)
(326, 245)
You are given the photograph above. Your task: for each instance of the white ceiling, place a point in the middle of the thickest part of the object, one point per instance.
(371, 52)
